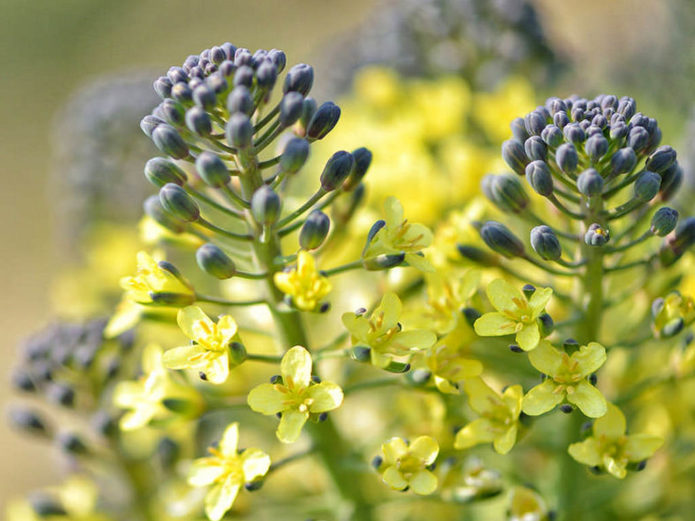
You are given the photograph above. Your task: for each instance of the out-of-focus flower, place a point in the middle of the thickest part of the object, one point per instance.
(304, 283)
(499, 416)
(672, 313)
(210, 353)
(296, 396)
(406, 465)
(527, 505)
(515, 313)
(447, 295)
(567, 379)
(151, 282)
(469, 480)
(383, 334)
(227, 470)
(611, 448)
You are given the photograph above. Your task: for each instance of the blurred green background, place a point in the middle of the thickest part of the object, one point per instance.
(48, 49)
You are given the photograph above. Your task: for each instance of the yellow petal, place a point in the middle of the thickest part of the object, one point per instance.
(394, 449)
(390, 308)
(203, 472)
(424, 448)
(504, 443)
(481, 397)
(220, 499)
(188, 316)
(613, 467)
(528, 337)
(184, 357)
(127, 315)
(589, 399)
(423, 483)
(266, 399)
(393, 478)
(128, 394)
(255, 464)
(393, 212)
(639, 447)
(415, 339)
(291, 425)
(379, 359)
(494, 324)
(326, 396)
(136, 419)
(230, 439)
(512, 397)
(541, 398)
(546, 358)
(503, 296)
(296, 366)
(587, 452)
(590, 358)
(357, 326)
(217, 369)
(151, 358)
(419, 263)
(478, 431)
(283, 281)
(539, 300)
(612, 424)
(228, 327)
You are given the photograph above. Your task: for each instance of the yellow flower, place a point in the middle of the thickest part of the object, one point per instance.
(383, 334)
(210, 354)
(126, 316)
(145, 397)
(611, 448)
(673, 313)
(448, 365)
(227, 469)
(447, 294)
(296, 396)
(153, 284)
(304, 283)
(527, 505)
(399, 236)
(566, 379)
(499, 416)
(494, 110)
(515, 313)
(406, 465)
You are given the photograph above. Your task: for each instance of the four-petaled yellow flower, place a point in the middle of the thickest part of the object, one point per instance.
(227, 470)
(297, 396)
(567, 379)
(383, 334)
(406, 465)
(144, 397)
(304, 283)
(449, 365)
(611, 448)
(399, 236)
(154, 285)
(210, 354)
(499, 416)
(515, 313)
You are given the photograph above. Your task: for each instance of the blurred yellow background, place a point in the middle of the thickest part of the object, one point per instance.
(48, 49)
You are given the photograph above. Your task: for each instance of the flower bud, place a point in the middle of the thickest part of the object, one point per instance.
(240, 100)
(501, 239)
(535, 148)
(323, 120)
(623, 161)
(664, 221)
(278, 58)
(574, 133)
(182, 93)
(519, 131)
(506, 192)
(153, 209)
(71, 443)
(383, 261)
(627, 107)
(265, 205)
(590, 183)
(546, 323)
(552, 136)
(476, 255)
(539, 177)
(561, 120)
(172, 111)
(160, 171)
(515, 156)
(675, 244)
(162, 86)
(169, 141)
(243, 76)
(535, 122)
(567, 158)
(314, 230)
(213, 261)
(618, 131)
(266, 75)
(177, 74)
(198, 121)
(661, 159)
(596, 235)
(239, 130)
(337, 169)
(671, 180)
(363, 159)
(204, 97)
(291, 108)
(647, 186)
(178, 203)
(212, 169)
(596, 146)
(28, 421)
(300, 78)
(149, 123)
(637, 138)
(545, 243)
(295, 155)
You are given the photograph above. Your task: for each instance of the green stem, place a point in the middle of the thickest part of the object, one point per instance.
(224, 302)
(270, 359)
(299, 211)
(340, 269)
